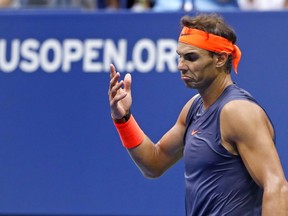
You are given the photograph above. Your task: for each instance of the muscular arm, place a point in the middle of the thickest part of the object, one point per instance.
(154, 159)
(246, 125)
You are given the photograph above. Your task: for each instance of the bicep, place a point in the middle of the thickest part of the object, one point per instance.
(155, 159)
(170, 146)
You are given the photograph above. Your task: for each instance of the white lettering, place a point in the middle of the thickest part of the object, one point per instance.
(72, 52)
(112, 55)
(95, 55)
(5, 65)
(166, 54)
(30, 63)
(54, 64)
(91, 54)
(148, 46)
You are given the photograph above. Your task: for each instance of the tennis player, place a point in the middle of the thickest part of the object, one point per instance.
(224, 136)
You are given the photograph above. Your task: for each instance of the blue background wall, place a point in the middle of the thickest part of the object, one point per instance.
(59, 150)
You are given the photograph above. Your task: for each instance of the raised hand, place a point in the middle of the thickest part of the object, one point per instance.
(119, 93)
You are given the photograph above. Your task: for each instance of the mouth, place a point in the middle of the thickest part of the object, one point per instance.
(186, 78)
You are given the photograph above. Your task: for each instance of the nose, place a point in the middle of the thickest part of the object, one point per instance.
(181, 66)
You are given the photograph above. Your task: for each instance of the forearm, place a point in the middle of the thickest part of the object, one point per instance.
(147, 157)
(275, 202)
(142, 150)
(152, 159)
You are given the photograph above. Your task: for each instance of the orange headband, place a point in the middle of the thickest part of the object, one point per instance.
(211, 43)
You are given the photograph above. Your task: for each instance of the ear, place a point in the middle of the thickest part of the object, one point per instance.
(221, 59)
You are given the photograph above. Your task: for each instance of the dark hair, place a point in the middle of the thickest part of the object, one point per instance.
(214, 24)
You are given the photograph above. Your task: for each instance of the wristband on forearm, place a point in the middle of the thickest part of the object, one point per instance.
(130, 133)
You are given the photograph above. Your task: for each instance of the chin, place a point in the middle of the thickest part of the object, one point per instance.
(188, 85)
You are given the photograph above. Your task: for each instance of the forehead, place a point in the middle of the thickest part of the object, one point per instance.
(183, 48)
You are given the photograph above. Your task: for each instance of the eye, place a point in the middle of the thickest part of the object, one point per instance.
(190, 57)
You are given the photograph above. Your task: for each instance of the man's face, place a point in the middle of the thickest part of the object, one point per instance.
(197, 66)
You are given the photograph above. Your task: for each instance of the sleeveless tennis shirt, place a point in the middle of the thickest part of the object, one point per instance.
(217, 182)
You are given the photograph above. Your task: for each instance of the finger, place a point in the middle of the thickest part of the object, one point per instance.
(112, 71)
(127, 82)
(118, 98)
(115, 88)
(114, 80)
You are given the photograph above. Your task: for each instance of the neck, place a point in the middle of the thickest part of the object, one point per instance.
(215, 89)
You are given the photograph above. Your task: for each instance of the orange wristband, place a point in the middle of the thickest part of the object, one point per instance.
(130, 133)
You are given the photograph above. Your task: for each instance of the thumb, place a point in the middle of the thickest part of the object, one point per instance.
(127, 82)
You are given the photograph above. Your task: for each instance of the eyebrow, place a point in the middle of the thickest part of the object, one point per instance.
(189, 52)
